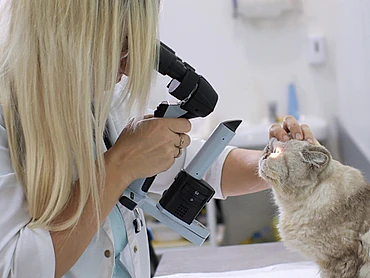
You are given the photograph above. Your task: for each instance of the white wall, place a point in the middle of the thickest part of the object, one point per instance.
(353, 63)
(251, 64)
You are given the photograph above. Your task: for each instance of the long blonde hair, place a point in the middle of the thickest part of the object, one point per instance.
(58, 60)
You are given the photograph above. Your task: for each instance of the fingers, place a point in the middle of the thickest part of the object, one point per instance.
(183, 141)
(172, 129)
(290, 124)
(151, 146)
(279, 133)
(178, 128)
(178, 152)
(178, 125)
(307, 134)
(291, 129)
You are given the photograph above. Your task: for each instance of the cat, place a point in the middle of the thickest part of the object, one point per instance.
(323, 205)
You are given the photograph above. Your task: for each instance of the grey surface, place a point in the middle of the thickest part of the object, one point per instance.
(247, 214)
(225, 258)
(350, 153)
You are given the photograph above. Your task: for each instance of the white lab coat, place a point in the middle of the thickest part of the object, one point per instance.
(29, 253)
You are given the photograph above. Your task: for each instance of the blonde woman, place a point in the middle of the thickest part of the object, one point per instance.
(59, 187)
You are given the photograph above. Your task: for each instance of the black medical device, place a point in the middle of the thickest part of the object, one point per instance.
(189, 193)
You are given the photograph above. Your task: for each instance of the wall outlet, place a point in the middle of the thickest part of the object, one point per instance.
(316, 49)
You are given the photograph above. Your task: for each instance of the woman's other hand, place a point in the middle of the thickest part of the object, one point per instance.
(149, 149)
(291, 128)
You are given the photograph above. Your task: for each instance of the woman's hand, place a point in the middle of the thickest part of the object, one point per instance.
(149, 149)
(291, 126)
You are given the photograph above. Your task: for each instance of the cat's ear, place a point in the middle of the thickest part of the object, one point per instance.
(317, 156)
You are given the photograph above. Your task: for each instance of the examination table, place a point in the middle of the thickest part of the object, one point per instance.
(225, 258)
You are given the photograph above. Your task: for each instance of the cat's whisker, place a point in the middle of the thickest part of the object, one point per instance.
(252, 189)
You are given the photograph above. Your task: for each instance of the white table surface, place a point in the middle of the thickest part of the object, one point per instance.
(225, 258)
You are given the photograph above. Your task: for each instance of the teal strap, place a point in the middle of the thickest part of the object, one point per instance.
(120, 242)
(120, 271)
